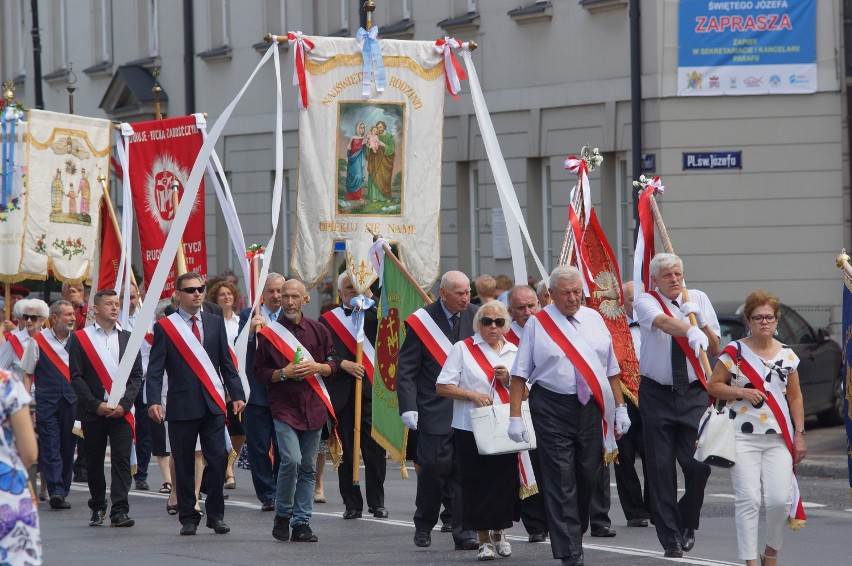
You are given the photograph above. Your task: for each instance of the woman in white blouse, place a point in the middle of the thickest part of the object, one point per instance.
(489, 483)
(754, 375)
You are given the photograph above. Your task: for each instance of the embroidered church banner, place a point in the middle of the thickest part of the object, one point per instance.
(163, 151)
(65, 154)
(371, 163)
(13, 132)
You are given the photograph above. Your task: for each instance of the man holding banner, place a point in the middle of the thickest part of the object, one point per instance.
(300, 405)
(192, 347)
(94, 354)
(340, 322)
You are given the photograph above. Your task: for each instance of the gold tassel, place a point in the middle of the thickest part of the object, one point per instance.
(403, 471)
(232, 457)
(528, 490)
(610, 457)
(795, 524)
(335, 450)
(77, 431)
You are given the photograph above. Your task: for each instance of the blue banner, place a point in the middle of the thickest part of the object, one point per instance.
(746, 47)
(847, 371)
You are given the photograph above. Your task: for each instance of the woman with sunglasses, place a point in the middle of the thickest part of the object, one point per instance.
(754, 375)
(31, 314)
(474, 375)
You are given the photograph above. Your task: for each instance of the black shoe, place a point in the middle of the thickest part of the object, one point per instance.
(688, 539)
(142, 485)
(188, 529)
(447, 528)
(379, 512)
(422, 539)
(641, 522)
(121, 520)
(674, 550)
(576, 560)
(352, 514)
(219, 526)
(97, 517)
(281, 528)
(268, 505)
(58, 502)
(603, 532)
(303, 533)
(81, 476)
(467, 544)
(537, 537)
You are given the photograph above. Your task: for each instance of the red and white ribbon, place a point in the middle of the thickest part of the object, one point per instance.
(645, 241)
(453, 72)
(579, 167)
(302, 45)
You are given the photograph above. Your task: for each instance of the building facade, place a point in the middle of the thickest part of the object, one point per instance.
(556, 76)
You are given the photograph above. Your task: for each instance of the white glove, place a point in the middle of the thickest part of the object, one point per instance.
(409, 419)
(518, 430)
(692, 308)
(622, 421)
(697, 340)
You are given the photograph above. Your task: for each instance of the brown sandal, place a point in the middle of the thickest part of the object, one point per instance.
(172, 509)
(167, 488)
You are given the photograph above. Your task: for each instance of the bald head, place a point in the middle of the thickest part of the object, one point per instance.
(629, 294)
(455, 291)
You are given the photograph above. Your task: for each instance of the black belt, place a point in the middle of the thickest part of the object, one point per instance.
(692, 384)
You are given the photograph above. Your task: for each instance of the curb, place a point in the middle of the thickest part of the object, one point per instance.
(833, 467)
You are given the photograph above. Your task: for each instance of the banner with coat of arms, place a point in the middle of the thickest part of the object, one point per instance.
(369, 159)
(65, 155)
(160, 153)
(13, 134)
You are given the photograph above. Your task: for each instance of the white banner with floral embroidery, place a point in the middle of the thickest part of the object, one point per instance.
(370, 162)
(13, 132)
(65, 155)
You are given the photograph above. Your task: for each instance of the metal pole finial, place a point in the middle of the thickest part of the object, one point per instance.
(157, 90)
(9, 90)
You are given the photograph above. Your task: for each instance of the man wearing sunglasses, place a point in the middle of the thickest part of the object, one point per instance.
(46, 361)
(192, 348)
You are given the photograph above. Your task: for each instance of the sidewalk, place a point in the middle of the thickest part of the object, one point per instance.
(826, 452)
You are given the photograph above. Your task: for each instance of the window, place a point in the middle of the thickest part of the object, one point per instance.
(336, 18)
(149, 42)
(14, 44)
(395, 21)
(220, 32)
(539, 206)
(101, 38)
(625, 220)
(475, 223)
(546, 218)
(58, 37)
(276, 18)
(794, 328)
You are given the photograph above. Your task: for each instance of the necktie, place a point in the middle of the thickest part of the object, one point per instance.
(680, 377)
(456, 320)
(195, 331)
(583, 391)
(273, 316)
(632, 324)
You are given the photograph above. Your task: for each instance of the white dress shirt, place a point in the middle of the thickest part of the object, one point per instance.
(462, 370)
(8, 358)
(110, 342)
(655, 360)
(187, 318)
(635, 333)
(541, 361)
(32, 350)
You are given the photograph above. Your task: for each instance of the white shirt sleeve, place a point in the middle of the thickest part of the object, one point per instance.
(451, 372)
(30, 358)
(524, 364)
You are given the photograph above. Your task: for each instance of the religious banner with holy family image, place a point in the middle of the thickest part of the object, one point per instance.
(369, 155)
(65, 156)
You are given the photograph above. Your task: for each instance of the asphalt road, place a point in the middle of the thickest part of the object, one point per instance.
(68, 540)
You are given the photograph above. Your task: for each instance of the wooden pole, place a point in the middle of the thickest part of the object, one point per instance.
(399, 265)
(180, 258)
(114, 219)
(7, 296)
(667, 244)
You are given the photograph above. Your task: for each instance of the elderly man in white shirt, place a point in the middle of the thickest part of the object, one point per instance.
(572, 372)
(674, 396)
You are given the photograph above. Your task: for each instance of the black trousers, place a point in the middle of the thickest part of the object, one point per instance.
(600, 502)
(375, 465)
(570, 448)
(182, 436)
(633, 503)
(533, 513)
(439, 466)
(120, 436)
(670, 422)
(144, 437)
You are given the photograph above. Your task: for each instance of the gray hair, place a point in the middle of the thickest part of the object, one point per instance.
(272, 276)
(56, 307)
(567, 272)
(663, 262)
(340, 278)
(519, 289)
(36, 305)
(541, 287)
(161, 307)
(18, 309)
(453, 276)
(492, 305)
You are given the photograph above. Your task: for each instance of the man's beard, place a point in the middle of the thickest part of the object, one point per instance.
(293, 317)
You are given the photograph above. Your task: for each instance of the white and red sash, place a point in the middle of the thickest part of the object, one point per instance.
(104, 365)
(285, 342)
(486, 359)
(14, 339)
(683, 343)
(344, 328)
(193, 352)
(587, 366)
(514, 334)
(430, 334)
(754, 369)
(57, 355)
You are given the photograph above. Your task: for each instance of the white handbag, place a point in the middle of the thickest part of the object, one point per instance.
(490, 426)
(716, 444)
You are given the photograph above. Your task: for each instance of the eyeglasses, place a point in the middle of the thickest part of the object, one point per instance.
(488, 321)
(32, 317)
(192, 290)
(762, 318)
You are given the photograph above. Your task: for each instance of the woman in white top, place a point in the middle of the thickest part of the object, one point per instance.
(489, 483)
(754, 375)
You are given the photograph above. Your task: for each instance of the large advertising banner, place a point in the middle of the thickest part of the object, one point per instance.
(747, 47)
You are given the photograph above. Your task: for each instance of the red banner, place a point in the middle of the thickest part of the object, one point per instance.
(110, 252)
(163, 151)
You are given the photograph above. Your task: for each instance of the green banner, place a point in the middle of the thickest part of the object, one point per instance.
(399, 299)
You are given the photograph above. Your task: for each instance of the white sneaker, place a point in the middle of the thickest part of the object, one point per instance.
(486, 551)
(502, 545)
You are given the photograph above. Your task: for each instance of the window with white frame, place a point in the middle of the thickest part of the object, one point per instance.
(102, 30)
(398, 11)
(471, 6)
(546, 217)
(17, 51)
(276, 17)
(58, 36)
(149, 41)
(625, 219)
(475, 223)
(220, 27)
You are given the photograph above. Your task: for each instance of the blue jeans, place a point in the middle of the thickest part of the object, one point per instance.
(297, 473)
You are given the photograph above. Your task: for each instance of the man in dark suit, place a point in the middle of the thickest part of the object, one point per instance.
(195, 403)
(341, 389)
(206, 306)
(431, 415)
(94, 354)
(260, 428)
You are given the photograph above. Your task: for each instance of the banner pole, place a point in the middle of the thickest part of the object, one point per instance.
(180, 257)
(114, 219)
(402, 268)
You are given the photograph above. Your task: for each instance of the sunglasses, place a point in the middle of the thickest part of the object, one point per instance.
(192, 290)
(488, 321)
(32, 317)
(767, 318)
